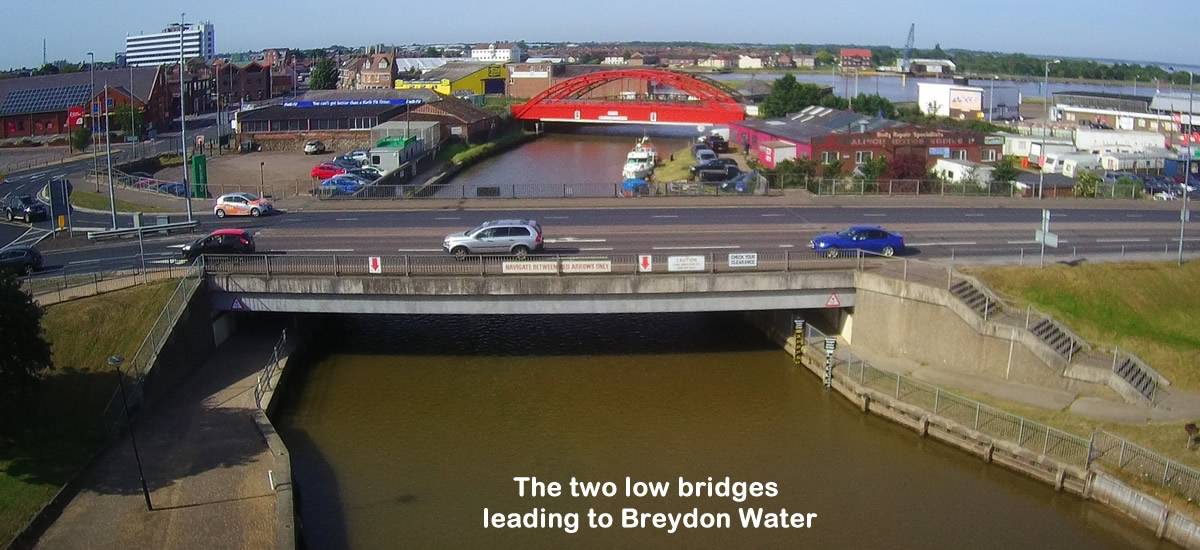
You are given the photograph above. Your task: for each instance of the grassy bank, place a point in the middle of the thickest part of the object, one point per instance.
(48, 434)
(97, 201)
(476, 153)
(675, 166)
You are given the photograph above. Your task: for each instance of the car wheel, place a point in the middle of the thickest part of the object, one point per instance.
(220, 213)
(460, 252)
(831, 252)
(8, 214)
(520, 251)
(889, 251)
(23, 270)
(254, 213)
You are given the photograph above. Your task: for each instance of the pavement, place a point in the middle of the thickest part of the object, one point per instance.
(206, 465)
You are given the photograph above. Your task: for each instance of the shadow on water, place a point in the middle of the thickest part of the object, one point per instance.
(508, 335)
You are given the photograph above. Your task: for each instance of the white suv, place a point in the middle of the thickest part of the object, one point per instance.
(516, 237)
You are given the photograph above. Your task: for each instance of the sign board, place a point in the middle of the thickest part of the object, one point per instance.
(1047, 238)
(833, 301)
(799, 323)
(743, 259)
(685, 263)
(374, 265)
(966, 100)
(943, 152)
(993, 140)
(75, 116)
(587, 266)
(351, 102)
(510, 268)
(239, 305)
(1045, 220)
(645, 263)
(830, 345)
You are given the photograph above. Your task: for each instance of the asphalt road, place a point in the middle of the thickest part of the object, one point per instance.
(929, 232)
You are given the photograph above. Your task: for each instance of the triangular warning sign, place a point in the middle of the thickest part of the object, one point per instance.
(833, 301)
(238, 305)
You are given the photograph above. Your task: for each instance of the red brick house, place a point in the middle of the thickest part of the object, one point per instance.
(40, 105)
(859, 58)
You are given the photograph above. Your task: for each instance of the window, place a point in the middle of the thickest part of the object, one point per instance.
(989, 155)
(862, 157)
(1141, 123)
(518, 232)
(960, 154)
(486, 234)
(828, 157)
(1070, 116)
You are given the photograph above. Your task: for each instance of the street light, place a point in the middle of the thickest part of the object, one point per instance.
(92, 121)
(187, 191)
(1187, 170)
(991, 98)
(116, 361)
(260, 178)
(1045, 128)
(1135, 77)
(112, 192)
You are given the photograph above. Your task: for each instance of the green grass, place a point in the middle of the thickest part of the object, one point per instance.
(677, 169)
(482, 151)
(96, 201)
(48, 433)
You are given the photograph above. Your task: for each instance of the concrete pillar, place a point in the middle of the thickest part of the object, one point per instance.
(866, 403)
(924, 426)
(987, 452)
(1163, 521)
(1059, 479)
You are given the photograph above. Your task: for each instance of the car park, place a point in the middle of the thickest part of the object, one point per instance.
(327, 170)
(340, 185)
(221, 241)
(24, 208)
(369, 172)
(515, 237)
(241, 204)
(314, 147)
(20, 258)
(868, 238)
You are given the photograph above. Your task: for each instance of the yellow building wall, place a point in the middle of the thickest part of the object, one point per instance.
(440, 86)
(470, 83)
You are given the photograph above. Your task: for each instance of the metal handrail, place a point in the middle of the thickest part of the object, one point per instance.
(264, 380)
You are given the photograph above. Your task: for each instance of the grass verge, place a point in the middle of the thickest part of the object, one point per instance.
(676, 166)
(48, 433)
(97, 201)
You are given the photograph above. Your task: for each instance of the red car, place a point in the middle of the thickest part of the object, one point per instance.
(327, 170)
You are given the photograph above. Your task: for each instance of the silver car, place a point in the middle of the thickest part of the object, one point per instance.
(516, 237)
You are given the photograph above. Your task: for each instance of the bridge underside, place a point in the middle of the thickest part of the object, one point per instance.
(631, 113)
(532, 295)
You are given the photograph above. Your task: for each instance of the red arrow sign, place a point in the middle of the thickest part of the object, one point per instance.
(644, 262)
(374, 265)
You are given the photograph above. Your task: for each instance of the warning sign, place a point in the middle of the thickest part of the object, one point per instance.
(833, 301)
(644, 264)
(374, 265)
(239, 305)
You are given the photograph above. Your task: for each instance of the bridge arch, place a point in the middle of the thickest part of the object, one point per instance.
(568, 101)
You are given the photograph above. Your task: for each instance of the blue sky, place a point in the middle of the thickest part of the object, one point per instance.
(1075, 28)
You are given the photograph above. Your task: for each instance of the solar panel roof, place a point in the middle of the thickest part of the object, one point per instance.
(41, 100)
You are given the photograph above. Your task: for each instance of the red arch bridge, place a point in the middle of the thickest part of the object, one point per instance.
(674, 98)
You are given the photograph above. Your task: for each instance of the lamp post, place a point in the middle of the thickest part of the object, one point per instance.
(112, 192)
(92, 121)
(187, 190)
(1045, 129)
(116, 361)
(1187, 170)
(261, 178)
(1135, 78)
(992, 98)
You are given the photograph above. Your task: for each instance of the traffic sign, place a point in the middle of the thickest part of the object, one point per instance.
(239, 305)
(1047, 238)
(374, 264)
(833, 301)
(645, 263)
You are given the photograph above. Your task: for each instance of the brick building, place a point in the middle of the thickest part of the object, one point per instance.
(855, 58)
(41, 105)
(458, 118)
(526, 80)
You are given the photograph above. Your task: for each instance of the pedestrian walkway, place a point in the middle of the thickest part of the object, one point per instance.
(205, 462)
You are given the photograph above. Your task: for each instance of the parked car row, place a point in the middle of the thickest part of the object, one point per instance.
(146, 182)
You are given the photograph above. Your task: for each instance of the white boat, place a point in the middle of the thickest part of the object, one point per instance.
(640, 162)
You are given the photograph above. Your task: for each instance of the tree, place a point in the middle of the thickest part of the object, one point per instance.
(1004, 171)
(48, 68)
(906, 166)
(832, 169)
(324, 75)
(873, 168)
(432, 52)
(789, 96)
(124, 115)
(81, 139)
(824, 58)
(874, 105)
(1086, 185)
(26, 353)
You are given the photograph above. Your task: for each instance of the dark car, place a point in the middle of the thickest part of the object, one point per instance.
(718, 174)
(868, 238)
(716, 164)
(22, 258)
(717, 144)
(221, 241)
(23, 207)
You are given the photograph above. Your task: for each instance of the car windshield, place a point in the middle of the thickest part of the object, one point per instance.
(847, 233)
(25, 200)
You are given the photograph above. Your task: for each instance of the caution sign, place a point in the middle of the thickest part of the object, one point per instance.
(645, 264)
(833, 301)
(374, 265)
(239, 305)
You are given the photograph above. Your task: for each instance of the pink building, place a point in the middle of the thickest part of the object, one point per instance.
(773, 141)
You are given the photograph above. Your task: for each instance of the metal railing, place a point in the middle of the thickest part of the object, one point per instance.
(539, 190)
(264, 383)
(447, 265)
(1033, 315)
(78, 281)
(921, 188)
(126, 231)
(1148, 466)
(136, 368)
(995, 423)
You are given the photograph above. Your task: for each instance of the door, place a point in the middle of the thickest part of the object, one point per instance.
(876, 240)
(487, 241)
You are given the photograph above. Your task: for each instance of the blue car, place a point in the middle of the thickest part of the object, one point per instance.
(341, 186)
(868, 238)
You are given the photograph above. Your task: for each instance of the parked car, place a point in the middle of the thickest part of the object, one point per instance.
(23, 207)
(221, 241)
(314, 147)
(722, 173)
(717, 143)
(516, 237)
(241, 204)
(172, 188)
(327, 170)
(21, 258)
(339, 185)
(360, 155)
(716, 164)
(369, 172)
(705, 155)
(346, 161)
(868, 238)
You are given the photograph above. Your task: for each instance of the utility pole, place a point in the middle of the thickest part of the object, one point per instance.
(1045, 128)
(187, 190)
(92, 121)
(1187, 171)
(112, 193)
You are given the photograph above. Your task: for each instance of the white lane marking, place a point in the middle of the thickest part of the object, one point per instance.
(319, 250)
(875, 215)
(85, 262)
(1186, 240)
(787, 246)
(447, 218)
(167, 262)
(1060, 241)
(771, 215)
(1133, 215)
(1122, 240)
(718, 247)
(945, 243)
(596, 249)
(346, 219)
(974, 215)
(556, 217)
(418, 250)
(575, 240)
(665, 216)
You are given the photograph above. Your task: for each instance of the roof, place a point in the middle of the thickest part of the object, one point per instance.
(571, 71)
(456, 108)
(855, 52)
(58, 92)
(776, 144)
(428, 96)
(455, 71)
(233, 232)
(799, 132)
(279, 112)
(839, 122)
(1174, 103)
(1104, 95)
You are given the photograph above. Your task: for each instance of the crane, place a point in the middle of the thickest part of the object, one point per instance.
(906, 64)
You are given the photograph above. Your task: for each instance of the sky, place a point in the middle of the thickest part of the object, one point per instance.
(1069, 28)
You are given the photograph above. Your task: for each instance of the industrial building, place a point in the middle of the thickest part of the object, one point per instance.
(461, 79)
(147, 50)
(56, 104)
